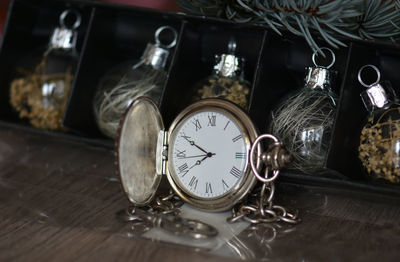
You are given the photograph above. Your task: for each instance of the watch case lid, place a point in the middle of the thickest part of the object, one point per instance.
(137, 151)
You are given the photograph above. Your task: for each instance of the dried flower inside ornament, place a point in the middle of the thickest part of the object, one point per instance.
(228, 88)
(41, 95)
(227, 79)
(379, 149)
(26, 96)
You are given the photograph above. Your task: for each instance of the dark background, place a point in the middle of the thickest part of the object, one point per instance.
(157, 4)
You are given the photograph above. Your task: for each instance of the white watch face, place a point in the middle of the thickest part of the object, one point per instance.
(209, 154)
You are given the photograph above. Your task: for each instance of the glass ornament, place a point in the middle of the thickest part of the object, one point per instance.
(227, 79)
(379, 149)
(42, 95)
(305, 119)
(130, 80)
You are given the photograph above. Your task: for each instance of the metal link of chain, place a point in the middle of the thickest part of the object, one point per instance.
(259, 207)
(162, 205)
(164, 213)
(167, 205)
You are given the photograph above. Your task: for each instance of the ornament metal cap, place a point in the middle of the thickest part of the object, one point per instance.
(157, 54)
(378, 95)
(65, 37)
(229, 65)
(320, 77)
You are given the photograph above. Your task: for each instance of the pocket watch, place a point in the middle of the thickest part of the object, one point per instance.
(204, 155)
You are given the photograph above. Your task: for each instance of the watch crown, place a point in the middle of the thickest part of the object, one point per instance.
(276, 157)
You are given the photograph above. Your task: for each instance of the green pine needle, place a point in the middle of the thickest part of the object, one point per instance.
(356, 19)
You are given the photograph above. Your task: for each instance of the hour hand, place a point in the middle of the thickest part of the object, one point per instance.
(198, 162)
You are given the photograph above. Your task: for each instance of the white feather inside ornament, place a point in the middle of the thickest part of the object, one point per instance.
(122, 85)
(304, 121)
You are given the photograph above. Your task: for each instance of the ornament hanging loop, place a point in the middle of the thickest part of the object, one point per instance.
(332, 54)
(232, 46)
(274, 158)
(378, 75)
(76, 14)
(162, 29)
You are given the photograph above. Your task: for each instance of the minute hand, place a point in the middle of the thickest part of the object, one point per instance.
(200, 148)
(194, 144)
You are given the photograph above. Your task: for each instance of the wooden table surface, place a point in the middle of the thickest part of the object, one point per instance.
(58, 200)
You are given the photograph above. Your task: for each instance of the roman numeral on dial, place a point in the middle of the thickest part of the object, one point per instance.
(236, 138)
(224, 185)
(193, 182)
(212, 120)
(240, 155)
(183, 169)
(226, 125)
(181, 154)
(208, 188)
(184, 136)
(197, 124)
(235, 172)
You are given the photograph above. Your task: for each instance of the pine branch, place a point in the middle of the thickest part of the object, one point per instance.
(356, 19)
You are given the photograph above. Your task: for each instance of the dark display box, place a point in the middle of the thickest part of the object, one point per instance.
(275, 66)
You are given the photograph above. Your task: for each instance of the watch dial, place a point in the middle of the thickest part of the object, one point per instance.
(209, 154)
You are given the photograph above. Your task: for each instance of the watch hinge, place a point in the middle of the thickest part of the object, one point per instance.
(162, 152)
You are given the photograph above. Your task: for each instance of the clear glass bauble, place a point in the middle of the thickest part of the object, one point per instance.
(379, 149)
(304, 123)
(41, 94)
(120, 87)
